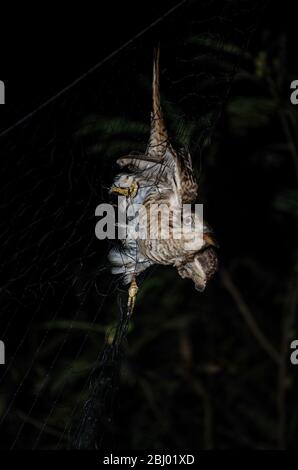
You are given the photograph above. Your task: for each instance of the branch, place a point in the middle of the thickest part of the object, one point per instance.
(248, 317)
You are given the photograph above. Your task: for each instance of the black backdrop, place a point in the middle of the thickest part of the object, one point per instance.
(199, 371)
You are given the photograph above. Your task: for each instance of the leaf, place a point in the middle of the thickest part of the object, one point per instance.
(249, 113)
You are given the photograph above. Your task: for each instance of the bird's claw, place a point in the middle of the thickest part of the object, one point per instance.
(132, 294)
(128, 192)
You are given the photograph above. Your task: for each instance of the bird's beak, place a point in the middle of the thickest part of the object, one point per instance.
(209, 240)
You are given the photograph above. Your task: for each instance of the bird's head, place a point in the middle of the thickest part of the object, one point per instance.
(201, 267)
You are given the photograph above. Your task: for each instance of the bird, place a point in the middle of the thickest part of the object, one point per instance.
(162, 175)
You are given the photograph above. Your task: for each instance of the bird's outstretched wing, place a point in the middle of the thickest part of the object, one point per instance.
(161, 163)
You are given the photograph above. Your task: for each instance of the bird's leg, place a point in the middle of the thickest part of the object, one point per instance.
(132, 294)
(128, 192)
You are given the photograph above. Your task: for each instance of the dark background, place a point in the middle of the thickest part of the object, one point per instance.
(199, 371)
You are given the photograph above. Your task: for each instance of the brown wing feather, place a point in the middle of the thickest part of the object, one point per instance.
(160, 157)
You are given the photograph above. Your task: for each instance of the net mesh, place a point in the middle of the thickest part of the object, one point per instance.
(58, 299)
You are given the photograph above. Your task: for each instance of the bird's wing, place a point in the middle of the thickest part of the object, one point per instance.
(161, 163)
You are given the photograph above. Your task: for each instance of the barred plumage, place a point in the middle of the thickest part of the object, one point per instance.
(162, 175)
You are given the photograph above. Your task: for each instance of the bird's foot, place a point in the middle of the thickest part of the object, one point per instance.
(132, 294)
(128, 192)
